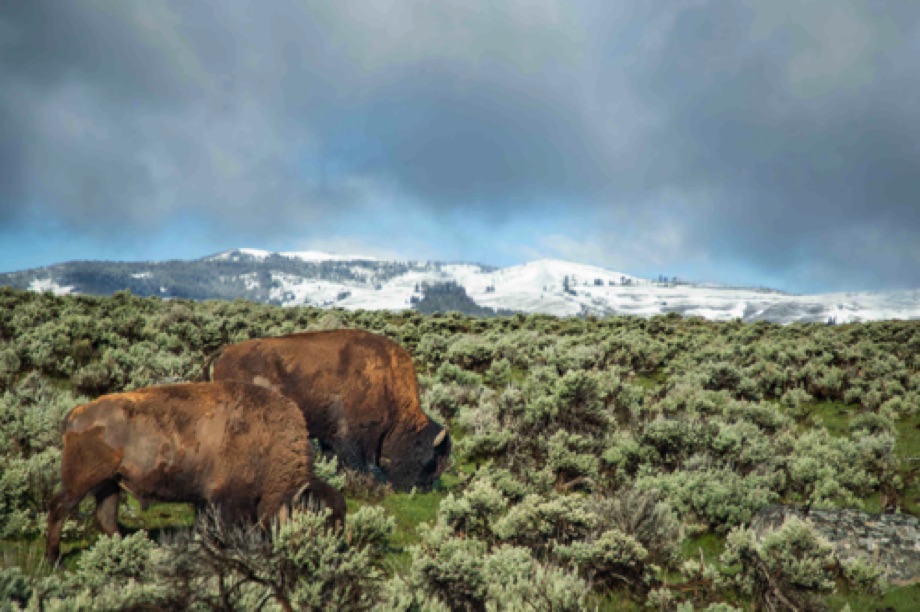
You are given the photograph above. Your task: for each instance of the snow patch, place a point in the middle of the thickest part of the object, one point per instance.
(547, 286)
(41, 285)
(234, 255)
(320, 256)
(250, 280)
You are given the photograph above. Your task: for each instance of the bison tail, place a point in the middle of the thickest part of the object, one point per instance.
(208, 362)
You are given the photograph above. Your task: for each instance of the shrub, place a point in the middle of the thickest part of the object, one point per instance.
(470, 352)
(371, 528)
(572, 459)
(116, 573)
(471, 512)
(789, 568)
(365, 485)
(609, 560)
(30, 445)
(536, 521)
(645, 517)
(15, 589)
(92, 379)
(820, 469)
(450, 373)
(327, 468)
(462, 574)
(303, 565)
(499, 373)
(9, 365)
(486, 437)
(721, 498)
(321, 571)
(516, 581)
(796, 402)
(449, 568)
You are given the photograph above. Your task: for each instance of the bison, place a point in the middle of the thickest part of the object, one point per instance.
(241, 447)
(359, 394)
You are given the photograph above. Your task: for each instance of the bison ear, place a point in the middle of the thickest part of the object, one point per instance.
(439, 439)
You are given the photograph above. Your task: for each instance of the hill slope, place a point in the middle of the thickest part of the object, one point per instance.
(545, 286)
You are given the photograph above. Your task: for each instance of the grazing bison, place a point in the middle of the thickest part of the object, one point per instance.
(359, 394)
(240, 447)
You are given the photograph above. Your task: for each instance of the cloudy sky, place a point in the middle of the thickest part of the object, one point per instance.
(770, 142)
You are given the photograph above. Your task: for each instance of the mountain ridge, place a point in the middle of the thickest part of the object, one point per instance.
(550, 286)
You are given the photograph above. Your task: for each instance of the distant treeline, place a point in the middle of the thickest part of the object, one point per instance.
(240, 277)
(452, 297)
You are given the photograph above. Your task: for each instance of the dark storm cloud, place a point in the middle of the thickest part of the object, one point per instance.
(782, 135)
(800, 125)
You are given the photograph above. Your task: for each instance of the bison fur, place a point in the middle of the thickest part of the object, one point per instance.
(359, 395)
(243, 448)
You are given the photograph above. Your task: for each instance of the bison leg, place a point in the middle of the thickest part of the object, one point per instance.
(350, 455)
(271, 507)
(107, 497)
(80, 476)
(61, 505)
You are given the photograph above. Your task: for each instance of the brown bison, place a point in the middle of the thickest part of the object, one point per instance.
(359, 394)
(241, 447)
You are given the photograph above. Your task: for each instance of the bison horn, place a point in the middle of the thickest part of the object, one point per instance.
(439, 439)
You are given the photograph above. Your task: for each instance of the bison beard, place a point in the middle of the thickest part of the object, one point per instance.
(359, 395)
(241, 447)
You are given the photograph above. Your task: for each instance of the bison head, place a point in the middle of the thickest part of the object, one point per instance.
(417, 460)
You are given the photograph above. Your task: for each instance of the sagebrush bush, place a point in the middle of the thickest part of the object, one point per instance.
(450, 568)
(609, 560)
(538, 520)
(789, 567)
(31, 414)
(449, 572)
(718, 498)
(327, 468)
(577, 442)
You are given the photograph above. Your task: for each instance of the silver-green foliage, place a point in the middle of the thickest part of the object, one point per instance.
(30, 444)
(452, 572)
(327, 468)
(789, 567)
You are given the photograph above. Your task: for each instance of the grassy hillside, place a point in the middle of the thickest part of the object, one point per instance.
(598, 462)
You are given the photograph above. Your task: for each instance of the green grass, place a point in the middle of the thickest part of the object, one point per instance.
(908, 449)
(712, 545)
(836, 418)
(909, 438)
(906, 598)
(614, 602)
(27, 555)
(649, 382)
(157, 517)
(409, 510)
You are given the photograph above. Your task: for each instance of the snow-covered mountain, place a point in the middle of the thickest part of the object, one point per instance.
(546, 286)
